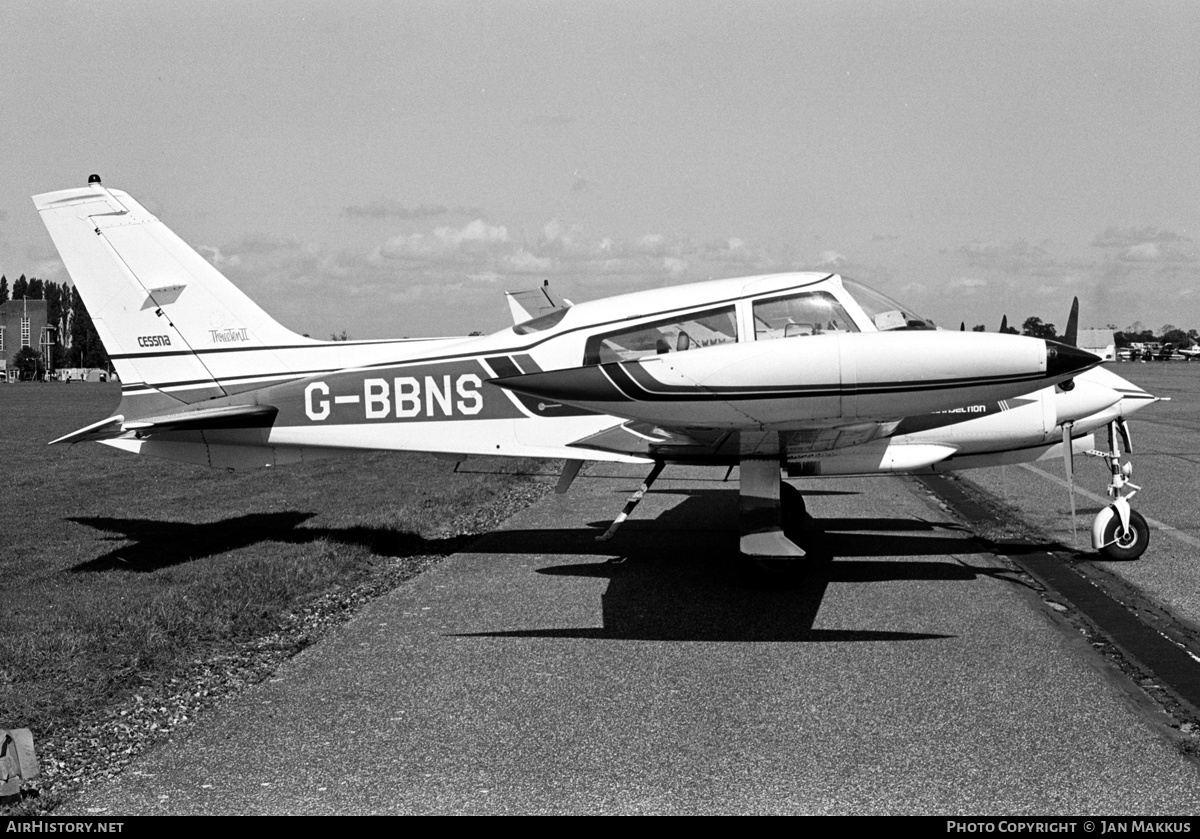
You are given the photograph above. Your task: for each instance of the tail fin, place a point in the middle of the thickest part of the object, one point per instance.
(165, 315)
(534, 302)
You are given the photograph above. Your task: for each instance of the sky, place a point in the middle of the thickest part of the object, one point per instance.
(391, 168)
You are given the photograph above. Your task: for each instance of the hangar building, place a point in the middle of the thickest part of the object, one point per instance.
(22, 324)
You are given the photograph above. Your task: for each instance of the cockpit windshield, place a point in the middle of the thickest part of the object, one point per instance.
(884, 312)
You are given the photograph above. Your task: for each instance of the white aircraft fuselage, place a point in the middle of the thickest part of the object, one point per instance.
(805, 372)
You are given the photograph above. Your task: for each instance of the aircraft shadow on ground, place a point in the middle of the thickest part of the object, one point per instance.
(678, 578)
(161, 544)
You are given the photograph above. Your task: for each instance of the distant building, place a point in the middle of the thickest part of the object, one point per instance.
(1098, 341)
(22, 324)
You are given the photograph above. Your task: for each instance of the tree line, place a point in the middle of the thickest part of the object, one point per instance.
(1135, 334)
(76, 343)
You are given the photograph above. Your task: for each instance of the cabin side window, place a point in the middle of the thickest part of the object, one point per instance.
(677, 334)
(810, 313)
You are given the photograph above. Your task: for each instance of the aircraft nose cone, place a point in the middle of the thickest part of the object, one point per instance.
(1064, 360)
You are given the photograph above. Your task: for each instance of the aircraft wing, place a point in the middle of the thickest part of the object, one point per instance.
(207, 419)
(647, 439)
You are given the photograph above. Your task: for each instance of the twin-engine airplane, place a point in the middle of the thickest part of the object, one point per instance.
(805, 374)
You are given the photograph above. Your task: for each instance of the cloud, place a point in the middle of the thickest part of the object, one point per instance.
(1016, 257)
(217, 258)
(446, 243)
(475, 231)
(652, 244)
(255, 244)
(457, 271)
(382, 208)
(733, 253)
(1156, 252)
(966, 286)
(1126, 237)
(524, 262)
(675, 266)
(563, 240)
(50, 269)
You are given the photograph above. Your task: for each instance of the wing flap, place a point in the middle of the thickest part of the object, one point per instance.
(649, 440)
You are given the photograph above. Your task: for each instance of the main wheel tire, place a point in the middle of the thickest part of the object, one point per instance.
(1126, 544)
(792, 502)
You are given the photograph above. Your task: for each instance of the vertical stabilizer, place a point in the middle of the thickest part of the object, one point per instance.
(533, 302)
(159, 307)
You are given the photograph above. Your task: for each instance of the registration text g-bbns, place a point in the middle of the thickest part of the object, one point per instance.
(402, 397)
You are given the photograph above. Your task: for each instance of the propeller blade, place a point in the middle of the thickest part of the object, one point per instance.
(1071, 336)
(1069, 466)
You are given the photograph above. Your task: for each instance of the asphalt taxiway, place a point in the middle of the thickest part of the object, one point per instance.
(541, 671)
(1166, 454)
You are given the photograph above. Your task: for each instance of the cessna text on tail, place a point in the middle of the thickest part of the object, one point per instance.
(804, 374)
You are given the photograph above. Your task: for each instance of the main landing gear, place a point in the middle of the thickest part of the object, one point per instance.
(774, 520)
(1119, 532)
(774, 526)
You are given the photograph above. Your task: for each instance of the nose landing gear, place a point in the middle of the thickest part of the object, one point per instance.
(1119, 532)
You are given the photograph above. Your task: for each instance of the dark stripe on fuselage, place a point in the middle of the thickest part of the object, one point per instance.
(942, 419)
(628, 381)
(503, 366)
(270, 348)
(642, 386)
(527, 364)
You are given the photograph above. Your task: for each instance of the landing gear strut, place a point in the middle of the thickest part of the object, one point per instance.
(1119, 532)
(774, 524)
(762, 519)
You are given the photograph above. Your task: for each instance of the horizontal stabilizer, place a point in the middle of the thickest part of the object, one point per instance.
(208, 419)
(235, 416)
(103, 430)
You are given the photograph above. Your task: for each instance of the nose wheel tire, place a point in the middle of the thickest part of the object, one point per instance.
(1128, 543)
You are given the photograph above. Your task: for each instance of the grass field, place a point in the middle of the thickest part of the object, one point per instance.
(134, 588)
